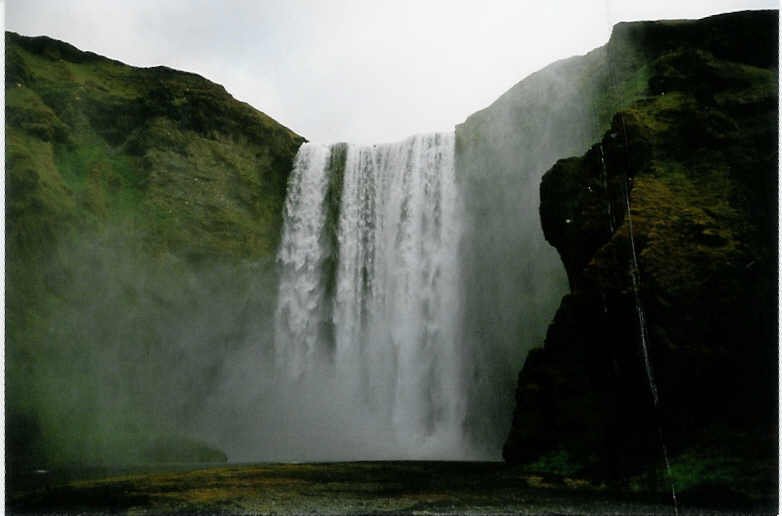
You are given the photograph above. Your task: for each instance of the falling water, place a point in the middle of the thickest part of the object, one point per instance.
(300, 308)
(392, 348)
(635, 279)
(634, 276)
(609, 209)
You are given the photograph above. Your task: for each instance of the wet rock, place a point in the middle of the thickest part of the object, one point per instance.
(699, 165)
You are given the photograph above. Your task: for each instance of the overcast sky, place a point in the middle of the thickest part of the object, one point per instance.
(351, 70)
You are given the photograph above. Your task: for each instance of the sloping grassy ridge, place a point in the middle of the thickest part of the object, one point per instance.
(137, 200)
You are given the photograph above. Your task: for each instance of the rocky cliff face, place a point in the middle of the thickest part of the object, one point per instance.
(697, 156)
(143, 210)
(513, 279)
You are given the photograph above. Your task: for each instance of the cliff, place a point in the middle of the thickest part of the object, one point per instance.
(137, 201)
(144, 206)
(513, 278)
(697, 153)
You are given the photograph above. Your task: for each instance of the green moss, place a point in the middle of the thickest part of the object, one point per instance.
(724, 467)
(333, 199)
(698, 156)
(339, 488)
(557, 462)
(182, 171)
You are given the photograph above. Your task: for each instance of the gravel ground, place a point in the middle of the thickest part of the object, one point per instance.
(326, 488)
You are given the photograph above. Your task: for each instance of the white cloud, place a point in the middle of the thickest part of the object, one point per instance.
(350, 69)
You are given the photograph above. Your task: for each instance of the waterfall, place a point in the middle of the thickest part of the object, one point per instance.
(385, 339)
(300, 308)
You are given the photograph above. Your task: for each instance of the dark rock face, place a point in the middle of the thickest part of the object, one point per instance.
(513, 279)
(698, 156)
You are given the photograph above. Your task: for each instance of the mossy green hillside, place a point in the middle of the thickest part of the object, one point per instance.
(136, 200)
(141, 144)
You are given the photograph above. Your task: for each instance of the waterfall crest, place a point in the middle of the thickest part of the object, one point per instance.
(300, 306)
(385, 339)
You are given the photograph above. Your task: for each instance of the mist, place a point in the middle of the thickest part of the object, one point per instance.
(138, 344)
(149, 357)
(412, 66)
(142, 344)
(514, 279)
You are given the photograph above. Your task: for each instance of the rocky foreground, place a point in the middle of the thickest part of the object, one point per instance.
(350, 487)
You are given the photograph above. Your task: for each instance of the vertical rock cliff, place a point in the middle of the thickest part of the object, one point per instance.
(513, 278)
(697, 155)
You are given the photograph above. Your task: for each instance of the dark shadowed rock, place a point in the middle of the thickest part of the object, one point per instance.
(698, 156)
